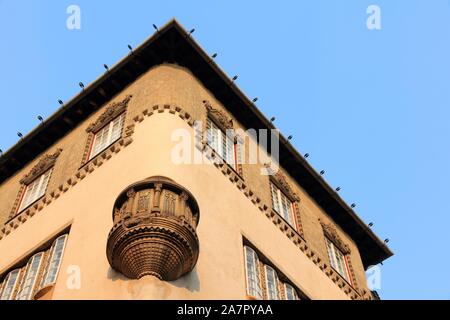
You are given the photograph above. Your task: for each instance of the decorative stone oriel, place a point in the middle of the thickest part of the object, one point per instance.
(154, 230)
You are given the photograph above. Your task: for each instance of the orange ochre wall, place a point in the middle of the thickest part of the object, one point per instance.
(226, 214)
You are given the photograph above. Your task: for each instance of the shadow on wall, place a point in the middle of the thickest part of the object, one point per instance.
(189, 281)
(114, 275)
(153, 288)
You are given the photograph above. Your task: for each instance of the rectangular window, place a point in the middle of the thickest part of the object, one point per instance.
(264, 281)
(35, 190)
(222, 144)
(41, 270)
(253, 276)
(107, 135)
(10, 285)
(54, 261)
(28, 284)
(273, 292)
(281, 204)
(337, 260)
(290, 293)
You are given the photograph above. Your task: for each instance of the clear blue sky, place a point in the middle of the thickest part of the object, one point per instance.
(370, 106)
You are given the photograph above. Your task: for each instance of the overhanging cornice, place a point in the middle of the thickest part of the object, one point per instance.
(172, 44)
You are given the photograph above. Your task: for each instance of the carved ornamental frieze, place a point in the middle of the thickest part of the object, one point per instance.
(154, 230)
(111, 112)
(46, 162)
(218, 116)
(331, 233)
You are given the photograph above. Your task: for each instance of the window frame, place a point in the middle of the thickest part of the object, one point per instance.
(256, 262)
(39, 179)
(48, 262)
(276, 283)
(27, 269)
(280, 196)
(333, 259)
(285, 288)
(110, 140)
(221, 137)
(14, 287)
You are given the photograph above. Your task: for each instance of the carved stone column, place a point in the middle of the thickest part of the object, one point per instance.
(152, 235)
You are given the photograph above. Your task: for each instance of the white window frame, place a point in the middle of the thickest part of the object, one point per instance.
(46, 280)
(14, 286)
(275, 295)
(338, 260)
(110, 136)
(38, 186)
(220, 141)
(279, 202)
(28, 295)
(258, 294)
(287, 288)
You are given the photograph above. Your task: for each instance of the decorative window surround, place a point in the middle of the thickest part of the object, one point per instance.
(35, 190)
(44, 164)
(234, 177)
(221, 142)
(332, 235)
(113, 111)
(279, 180)
(219, 117)
(223, 123)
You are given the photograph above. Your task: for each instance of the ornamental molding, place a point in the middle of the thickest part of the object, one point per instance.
(218, 116)
(111, 112)
(331, 233)
(280, 180)
(45, 162)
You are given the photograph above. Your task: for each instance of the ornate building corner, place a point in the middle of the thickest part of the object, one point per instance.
(154, 230)
(112, 111)
(331, 233)
(219, 117)
(45, 163)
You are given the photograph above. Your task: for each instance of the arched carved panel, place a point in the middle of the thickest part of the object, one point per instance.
(154, 230)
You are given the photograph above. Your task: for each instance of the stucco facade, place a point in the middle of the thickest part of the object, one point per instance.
(234, 207)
